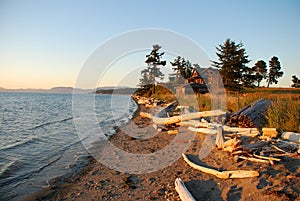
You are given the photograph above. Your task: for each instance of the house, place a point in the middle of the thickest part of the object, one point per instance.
(199, 82)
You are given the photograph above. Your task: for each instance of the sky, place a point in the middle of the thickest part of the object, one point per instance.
(45, 44)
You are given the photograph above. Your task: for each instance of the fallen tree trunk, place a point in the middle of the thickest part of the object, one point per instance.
(203, 130)
(222, 174)
(252, 115)
(184, 117)
(290, 136)
(183, 192)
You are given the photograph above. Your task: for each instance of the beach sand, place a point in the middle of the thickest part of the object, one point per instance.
(280, 181)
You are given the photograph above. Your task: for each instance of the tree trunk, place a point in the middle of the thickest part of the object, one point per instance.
(184, 117)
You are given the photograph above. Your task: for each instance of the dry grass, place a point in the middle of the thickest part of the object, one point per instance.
(284, 114)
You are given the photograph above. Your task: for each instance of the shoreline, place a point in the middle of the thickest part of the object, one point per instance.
(97, 182)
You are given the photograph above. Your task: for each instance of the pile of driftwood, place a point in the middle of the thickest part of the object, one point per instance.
(243, 143)
(148, 102)
(243, 138)
(252, 116)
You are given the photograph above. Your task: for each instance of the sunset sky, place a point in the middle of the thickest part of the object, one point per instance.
(44, 44)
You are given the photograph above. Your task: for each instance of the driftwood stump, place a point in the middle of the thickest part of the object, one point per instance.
(252, 116)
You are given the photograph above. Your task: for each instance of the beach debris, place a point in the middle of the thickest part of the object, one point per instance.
(220, 139)
(180, 118)
(183, 192)
(172, 132)
(291, 136)
(253, 159)
(231, 144)
(252, 115)
(234, 174)
(270, 132)
(148, 102)
(203, 130)
(251, 132)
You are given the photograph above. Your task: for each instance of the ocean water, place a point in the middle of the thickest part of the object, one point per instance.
(39, 141)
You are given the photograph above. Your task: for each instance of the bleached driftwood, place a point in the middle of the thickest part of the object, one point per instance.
(220, 139)
(270, 132)
(196, 124)
(183, 192)
(254, 159)
(222, 174)
(203, 130)
(278, 149)
(242, 131)
(230, 145)
(184, 117)
(172, 132)
(267, 158)
(290, 136)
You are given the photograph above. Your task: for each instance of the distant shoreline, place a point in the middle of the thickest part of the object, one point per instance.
(70, 90)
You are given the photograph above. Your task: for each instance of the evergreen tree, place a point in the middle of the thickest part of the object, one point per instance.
(145, 81)
(274, 71)
(260, 70)
(232, 65)
(153, 61)
(296, 81)
(182, 68)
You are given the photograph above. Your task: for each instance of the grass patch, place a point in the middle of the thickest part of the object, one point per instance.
(284, 114)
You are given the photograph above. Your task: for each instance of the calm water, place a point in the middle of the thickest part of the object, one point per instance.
(38, 139)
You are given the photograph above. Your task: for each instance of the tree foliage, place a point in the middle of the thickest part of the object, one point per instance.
(296, 81)
(183, 69)
(260, 71)
(274, 71)
(153, 61)
(232, 65)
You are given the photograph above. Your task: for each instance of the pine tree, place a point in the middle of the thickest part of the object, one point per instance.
(154, 61)
(232, 65)
(274, 71)
(182, 68)
(145, 81)
(296, 81)
(260, 70)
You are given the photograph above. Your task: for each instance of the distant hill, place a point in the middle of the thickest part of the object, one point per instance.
(64, 90)
(115, 90)
(69, 90)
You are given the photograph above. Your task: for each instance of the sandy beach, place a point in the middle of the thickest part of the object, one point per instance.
(98, 182)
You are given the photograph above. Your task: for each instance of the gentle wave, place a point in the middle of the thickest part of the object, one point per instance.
(50, 123)
(9, 169)
(39, 140)
(20, 143)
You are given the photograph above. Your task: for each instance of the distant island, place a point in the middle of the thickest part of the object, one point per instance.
(115, 90)
(70, 90)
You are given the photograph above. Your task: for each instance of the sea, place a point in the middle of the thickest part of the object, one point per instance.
(39, 140)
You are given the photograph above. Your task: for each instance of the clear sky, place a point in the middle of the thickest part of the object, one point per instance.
(45, 43)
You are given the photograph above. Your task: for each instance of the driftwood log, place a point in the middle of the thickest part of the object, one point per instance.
(220, 139)
(290, 136)
(184, 117)
(222, 174)
(252, 115)
(183, 192)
